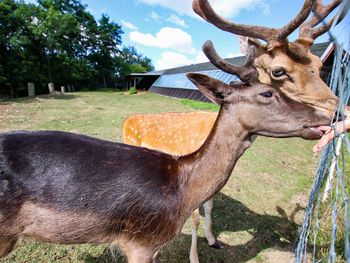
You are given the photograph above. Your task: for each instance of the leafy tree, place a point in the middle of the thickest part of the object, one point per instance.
(129, 61)
(10, 48)
(108, 39)
(60, 41)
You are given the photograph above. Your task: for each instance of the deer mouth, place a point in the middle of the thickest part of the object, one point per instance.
(311, 132)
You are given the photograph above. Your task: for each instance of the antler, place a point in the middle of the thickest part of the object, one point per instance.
(273, 36)
(246, 72)
(309, 31)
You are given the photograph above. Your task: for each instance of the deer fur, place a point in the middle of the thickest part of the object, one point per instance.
(70, 189)
(177, 134)
(301, 69)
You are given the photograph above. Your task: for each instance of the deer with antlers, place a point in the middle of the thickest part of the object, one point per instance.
(289, 66)
(70, 189)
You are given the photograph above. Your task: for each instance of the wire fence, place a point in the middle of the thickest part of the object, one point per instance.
(324, 235)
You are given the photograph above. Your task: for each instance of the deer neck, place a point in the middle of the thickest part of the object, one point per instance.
(208, 169)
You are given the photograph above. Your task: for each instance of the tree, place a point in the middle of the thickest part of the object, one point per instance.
(60, 41)
(10, 48)
(103, 56)
(130, 61)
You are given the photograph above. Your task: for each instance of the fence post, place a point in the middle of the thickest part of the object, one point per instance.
(31, 89)
(51, 88)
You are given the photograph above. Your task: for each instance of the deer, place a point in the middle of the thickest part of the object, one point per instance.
(290, 66)
(68, 188)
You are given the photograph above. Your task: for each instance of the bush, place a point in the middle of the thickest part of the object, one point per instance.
(132, 91)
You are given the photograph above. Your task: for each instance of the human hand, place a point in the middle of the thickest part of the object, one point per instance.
(329, 134)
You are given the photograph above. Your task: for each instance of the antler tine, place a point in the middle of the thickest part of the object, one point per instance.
(246, 72)
(297, 21)
(272, 36)
(204, 10)
(310, 32)
(321, 11)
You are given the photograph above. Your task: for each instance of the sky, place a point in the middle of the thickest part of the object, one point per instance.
(171, 34)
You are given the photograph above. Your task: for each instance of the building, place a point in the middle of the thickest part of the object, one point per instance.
(174, 83)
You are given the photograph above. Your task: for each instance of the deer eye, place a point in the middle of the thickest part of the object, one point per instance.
(266, 94)
(278, 72)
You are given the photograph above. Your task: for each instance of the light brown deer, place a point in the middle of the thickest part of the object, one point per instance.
(71, 189)
(289, 66)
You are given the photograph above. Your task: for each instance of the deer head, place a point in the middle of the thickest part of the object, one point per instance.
(263, 109)
(290, 66)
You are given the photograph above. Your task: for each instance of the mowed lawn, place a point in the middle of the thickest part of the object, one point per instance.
(255, 216)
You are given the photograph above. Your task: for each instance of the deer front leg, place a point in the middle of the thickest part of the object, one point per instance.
(136, 253)
(195, 226)
(208, 207)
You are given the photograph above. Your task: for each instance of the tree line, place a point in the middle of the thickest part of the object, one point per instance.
(60, 42)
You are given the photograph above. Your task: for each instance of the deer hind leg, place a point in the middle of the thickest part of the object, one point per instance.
(195, 226)
(208, 207)
(6, 245)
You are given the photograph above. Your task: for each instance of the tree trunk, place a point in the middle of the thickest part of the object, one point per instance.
(12, 91)
(104, 81)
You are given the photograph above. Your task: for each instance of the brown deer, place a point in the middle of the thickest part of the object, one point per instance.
(72, 189)
(288, 66)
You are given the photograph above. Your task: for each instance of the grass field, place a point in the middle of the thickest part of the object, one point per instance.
(255, 216)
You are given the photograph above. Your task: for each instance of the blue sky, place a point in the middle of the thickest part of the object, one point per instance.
(171, 34)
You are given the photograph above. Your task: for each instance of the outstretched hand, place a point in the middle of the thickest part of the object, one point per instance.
(329, 134)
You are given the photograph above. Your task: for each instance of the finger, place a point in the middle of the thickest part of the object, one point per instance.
(316, 149)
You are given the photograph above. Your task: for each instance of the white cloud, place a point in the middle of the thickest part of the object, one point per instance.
(167, 37)
(155, 16)
(180, 6)
(177, 21)
(129, 25)
(172, 60)
(227, 8)
(265, 8)
(201, 57)
(174, 19)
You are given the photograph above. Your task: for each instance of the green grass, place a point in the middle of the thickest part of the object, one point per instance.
(132, 91)
(199, 105)
(255, 216)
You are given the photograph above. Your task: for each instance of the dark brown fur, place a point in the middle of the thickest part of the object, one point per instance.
(67, 188)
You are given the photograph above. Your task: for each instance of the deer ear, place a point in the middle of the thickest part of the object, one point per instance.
(215, 90)
(246, 42)
(243, 44)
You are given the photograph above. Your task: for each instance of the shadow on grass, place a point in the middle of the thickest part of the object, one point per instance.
(59, 97)
(266, 231)
(229, 215)
(108, 256)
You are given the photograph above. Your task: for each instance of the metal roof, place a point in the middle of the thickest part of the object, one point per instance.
(179, 80)
(151, 73)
